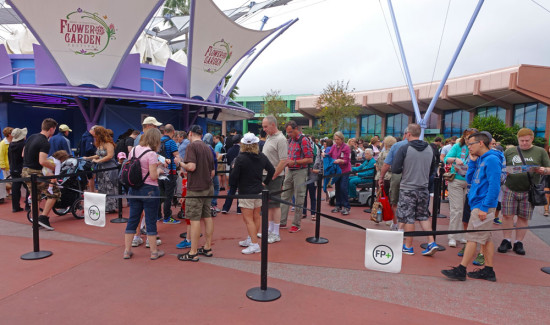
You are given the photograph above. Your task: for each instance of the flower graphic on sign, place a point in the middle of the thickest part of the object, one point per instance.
(87, 33)
(216, 56)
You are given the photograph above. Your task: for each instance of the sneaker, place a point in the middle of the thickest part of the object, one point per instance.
(518, 247)
(184, 244)
(345, 211)
(294, 229)
(483, 274)
(239, 212)
(452, 243)
(224, 211)
(292, 209)
(246, 242)
(215, 208)
(45, 222)
(456, 273)
(282, 226)
(259, 235)
(497, 221)
(461, 252)
(273, 238)
(335, 210)
(253, 248)
(143, 231)
(159, 242)
(480, 260)
(389, 222)
(394, 227)
(431, 249)
(408, 250)
(137, 241)
(504, 246)
(463, 241)
(171, 221)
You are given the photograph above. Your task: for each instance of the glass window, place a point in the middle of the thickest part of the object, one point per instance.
(292, 106)
(518, 114)
(531, 115)
(540, 126)
(256, 107)
(492, 111)
(371, 125)
(454, 122)
(396, 123)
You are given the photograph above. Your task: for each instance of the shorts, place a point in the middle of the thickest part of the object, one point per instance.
(516, 203)
(250, 203)
(198, 208)
(480, 237)
(395, 185)
(274, 186)
(413, 206)
(42, 186)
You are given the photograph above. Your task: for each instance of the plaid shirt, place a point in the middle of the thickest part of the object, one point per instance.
(299, 150)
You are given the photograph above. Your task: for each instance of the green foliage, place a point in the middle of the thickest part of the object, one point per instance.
(233, 94)
(275, 105)
(337, 108)
(316, 132)
(176, 8)
(539, 142)
(499, 130)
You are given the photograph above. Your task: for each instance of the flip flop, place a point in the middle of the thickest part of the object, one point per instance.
(205, 252)
(188, 257)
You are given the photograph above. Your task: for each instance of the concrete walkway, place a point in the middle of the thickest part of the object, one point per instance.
(86, 281)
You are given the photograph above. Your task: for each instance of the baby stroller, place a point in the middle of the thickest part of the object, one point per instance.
(71, 188)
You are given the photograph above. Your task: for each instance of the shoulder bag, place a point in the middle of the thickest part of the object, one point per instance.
(537, 195)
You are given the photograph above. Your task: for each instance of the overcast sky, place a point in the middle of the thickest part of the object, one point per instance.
(349, 40)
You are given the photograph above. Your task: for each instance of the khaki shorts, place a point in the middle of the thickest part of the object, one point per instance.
(274, 186)
(480, 237)
(42, 186)
(250, 203)
(395, 185)
(198, 208)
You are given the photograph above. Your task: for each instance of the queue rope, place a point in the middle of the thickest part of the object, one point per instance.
(43, 178)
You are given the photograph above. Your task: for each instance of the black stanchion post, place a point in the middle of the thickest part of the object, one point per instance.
(440, 192)
(36, 254)
(263, 293)
(435, 209)
(120, 219)
(317, 239)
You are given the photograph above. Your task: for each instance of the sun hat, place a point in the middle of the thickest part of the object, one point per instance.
(18, 134)
(151, 120)
(250, 138)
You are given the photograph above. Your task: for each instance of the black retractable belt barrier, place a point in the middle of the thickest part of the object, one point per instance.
(263, 293)
(441, 192)
(120, 219)
(317, 239)
(436, 205)
(36, 254)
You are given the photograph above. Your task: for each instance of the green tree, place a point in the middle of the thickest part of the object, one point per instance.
(499, 130)
(176, 8)
(235, 91)
(338, 108)
(275, 105)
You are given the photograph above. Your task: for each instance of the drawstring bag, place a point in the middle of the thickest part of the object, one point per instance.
(387, 212)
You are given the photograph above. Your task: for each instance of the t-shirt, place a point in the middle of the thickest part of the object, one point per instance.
(170, 147)
(276, 149)
(148, 159)
(199, 153)
(218, 147)
(534, 156)
(36, 144)
(445, 150)
(393, 151)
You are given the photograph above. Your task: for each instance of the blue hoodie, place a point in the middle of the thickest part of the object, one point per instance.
(483, 176)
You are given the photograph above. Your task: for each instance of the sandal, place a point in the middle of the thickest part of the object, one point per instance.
(205, 252)
(127, 255)
(188, 257)
(156, 255)
(546, 213)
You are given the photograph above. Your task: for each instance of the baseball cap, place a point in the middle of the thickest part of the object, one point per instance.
(249, 138)
(151, 120)
(121, 155)
(64, 127)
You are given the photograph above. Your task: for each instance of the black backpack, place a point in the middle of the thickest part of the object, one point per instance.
(130, 173)
(120, 146)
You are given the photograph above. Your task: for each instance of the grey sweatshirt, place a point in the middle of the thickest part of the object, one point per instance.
(416, 161)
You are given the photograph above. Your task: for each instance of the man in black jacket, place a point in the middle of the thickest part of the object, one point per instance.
(15, 157)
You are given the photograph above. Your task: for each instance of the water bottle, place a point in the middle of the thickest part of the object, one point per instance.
(379, 215)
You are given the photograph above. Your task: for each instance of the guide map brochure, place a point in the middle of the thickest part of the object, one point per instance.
(518, 169)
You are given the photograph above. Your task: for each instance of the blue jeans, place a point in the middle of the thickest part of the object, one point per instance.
(341, 187)
(137, 206)
(216, 182)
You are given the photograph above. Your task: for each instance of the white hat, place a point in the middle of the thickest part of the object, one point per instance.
(18, 134)
(151, 120)
(64, 127)
(249, 138)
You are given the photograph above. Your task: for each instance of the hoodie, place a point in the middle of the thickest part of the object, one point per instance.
(416, 161)
(483, 176)
(247, 173)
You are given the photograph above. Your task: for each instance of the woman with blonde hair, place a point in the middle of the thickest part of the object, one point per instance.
(146, 152)
(107, 182)
(246, 175)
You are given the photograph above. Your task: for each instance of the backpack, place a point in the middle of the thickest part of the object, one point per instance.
(130, 172)
(162, 150)
(120, 146)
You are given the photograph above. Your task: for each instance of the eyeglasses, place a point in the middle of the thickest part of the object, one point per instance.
(472, 143)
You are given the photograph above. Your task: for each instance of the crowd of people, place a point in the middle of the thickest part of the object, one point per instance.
(198, 165)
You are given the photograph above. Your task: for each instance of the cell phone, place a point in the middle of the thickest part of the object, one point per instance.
(162, 159)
